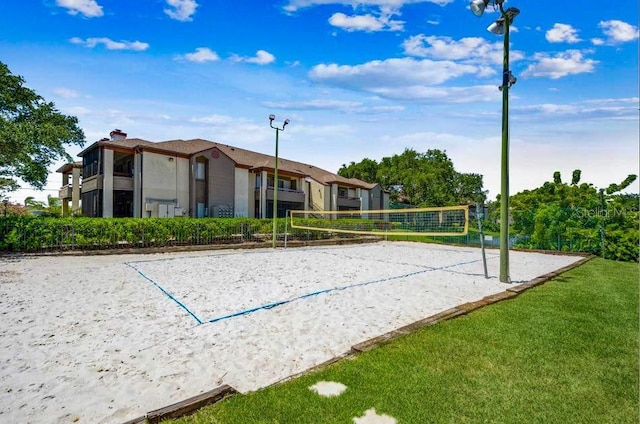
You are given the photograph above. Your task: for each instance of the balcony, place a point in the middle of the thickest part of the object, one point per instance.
(286, 195)
(348, 202)
(65, 192)
(122, 182)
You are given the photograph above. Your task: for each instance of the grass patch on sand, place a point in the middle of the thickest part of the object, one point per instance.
(565, 352)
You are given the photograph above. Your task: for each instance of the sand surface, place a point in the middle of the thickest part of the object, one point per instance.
(105, 339)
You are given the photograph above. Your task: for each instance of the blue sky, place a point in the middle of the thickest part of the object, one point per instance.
(357, 79)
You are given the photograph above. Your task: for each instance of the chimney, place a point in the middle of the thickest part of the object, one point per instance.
(117, 135)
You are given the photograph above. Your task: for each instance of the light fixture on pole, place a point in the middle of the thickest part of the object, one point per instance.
(500, 27)
(275, 178)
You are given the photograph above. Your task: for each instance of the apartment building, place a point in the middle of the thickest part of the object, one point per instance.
(131, 177)
(70, 190)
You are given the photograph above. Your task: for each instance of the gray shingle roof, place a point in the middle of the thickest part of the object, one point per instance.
(242, 157)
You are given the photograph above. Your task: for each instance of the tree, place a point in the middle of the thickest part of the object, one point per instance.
(421, 179)
(366, 170)
(575, 178)
(562, 216)
(33, 133)
(614, 188)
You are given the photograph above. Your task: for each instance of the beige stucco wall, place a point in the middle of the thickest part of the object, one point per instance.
(241, 196)
(107, 193)
(263, 194)
(165, 179)
(364, 199)
(333, 204)
(75, 190)
(320, 196)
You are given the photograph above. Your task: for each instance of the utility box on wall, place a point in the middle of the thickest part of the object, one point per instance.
(165, 210)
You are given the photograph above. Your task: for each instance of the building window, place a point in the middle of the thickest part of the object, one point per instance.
(91, 163)
(92, 203)
(294, 185)
(200, 170)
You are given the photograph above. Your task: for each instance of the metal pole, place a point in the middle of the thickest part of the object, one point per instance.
(504, 193)
(602, 222)
(286, 228)
(484, 256)
(275, 194)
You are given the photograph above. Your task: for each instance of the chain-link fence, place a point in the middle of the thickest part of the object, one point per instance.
(39, 235)
(613, 237)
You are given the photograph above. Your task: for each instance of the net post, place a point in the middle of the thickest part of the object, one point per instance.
(286, 226)
(484, 256)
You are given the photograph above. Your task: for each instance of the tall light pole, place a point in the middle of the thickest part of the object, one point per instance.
(275, 178)
(499, 27)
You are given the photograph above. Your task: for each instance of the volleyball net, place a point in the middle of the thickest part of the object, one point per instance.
(437, 221)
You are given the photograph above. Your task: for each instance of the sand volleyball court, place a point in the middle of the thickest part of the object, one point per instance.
(105, 339)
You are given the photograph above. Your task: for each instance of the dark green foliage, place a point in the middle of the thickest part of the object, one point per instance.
(614, 188)
(419, 179)
(366, 170)
(32, 133)
(31, 234)
(559, 216)
(575, 178)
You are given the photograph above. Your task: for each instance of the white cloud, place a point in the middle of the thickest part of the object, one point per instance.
(336, 105)
(478, 93)
(596, 110)
(369, 23)
(110, 44)
(562, 33)
(571, 62)
(434, 19)
(214, 119)
(66, 93)
(391, 72)
(87, 8)
(407, 79)
(78, 111)
(317, 104)
(262, 57)
(597, 41)
(295, 5)
(201, 55)
(618, 31)
(181, 10)
(468, 49)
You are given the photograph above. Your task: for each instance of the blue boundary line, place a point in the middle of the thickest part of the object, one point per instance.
(211, 255)
(277, 303)
(169, 295)
(338, 288)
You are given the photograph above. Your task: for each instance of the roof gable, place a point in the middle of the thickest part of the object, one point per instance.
(242, 157)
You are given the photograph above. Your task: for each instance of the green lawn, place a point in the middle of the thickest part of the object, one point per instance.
(565, 352)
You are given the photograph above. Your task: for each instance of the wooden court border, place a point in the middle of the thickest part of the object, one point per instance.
(192, 404)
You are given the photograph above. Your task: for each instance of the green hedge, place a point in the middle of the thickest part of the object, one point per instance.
(29, 234)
